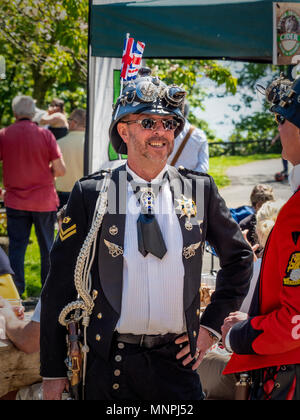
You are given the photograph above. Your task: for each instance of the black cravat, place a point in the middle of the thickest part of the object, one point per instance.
(150, 238)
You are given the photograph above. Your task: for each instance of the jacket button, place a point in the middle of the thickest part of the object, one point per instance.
(98, 337)
(198, 312)
(194, 334)
(116, 386)
(99, 316)
(117, 372)
(121, 346)
(118, 358)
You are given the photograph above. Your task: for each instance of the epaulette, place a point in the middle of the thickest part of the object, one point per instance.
(96, 174)
(184, 171)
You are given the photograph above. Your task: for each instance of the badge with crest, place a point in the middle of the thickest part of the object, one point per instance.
(292, 277)
(188, 209)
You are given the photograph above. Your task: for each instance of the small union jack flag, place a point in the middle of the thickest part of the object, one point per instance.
(132, 58)
(137, 49)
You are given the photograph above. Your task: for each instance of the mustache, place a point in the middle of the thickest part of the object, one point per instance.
(158, 138)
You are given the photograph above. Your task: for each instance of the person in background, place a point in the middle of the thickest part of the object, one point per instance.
(222, 387)
(25, 335)
(31, 160)
(39, 113)
(72, 148)
(266, 343)
(266, 218)
(260, 194)
(190, 147)
(8, 289)
(55, 119)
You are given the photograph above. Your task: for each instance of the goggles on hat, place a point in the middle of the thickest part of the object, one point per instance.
(150, 123)
(284, 96)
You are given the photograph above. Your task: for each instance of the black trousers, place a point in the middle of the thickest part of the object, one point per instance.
(19, 223)
(140, 374)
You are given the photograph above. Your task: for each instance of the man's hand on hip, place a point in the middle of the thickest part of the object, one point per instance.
(204, 343)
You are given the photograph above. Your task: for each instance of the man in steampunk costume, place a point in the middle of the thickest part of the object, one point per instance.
(266, 343)
(131, 247)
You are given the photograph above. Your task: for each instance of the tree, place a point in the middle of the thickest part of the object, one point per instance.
(189, 74)
(259, 125)
(48, 39)
(18, 79)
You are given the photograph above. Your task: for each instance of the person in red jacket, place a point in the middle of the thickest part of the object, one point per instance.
(266, 342)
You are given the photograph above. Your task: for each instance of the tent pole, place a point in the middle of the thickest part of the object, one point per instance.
(89, 109)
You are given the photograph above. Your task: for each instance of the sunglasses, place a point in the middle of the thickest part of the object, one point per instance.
(150, 124)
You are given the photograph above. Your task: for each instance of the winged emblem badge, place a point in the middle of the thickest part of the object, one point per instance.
(114, 250)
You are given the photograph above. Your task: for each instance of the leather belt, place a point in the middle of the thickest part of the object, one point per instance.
(148, 341)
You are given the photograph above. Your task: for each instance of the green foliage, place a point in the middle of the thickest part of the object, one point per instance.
(3, 224)
(259, 125)
(190, 74)
(194, 75)
(44, 44)
(197, 122)
(18, 80)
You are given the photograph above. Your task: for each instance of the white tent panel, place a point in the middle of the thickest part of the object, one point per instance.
(101, 93)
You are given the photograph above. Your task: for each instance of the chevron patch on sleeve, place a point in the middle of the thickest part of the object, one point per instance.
(66, 233)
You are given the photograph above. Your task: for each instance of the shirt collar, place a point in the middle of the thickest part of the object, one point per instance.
(138, 179)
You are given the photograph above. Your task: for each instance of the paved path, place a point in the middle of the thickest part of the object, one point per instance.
(245, 177)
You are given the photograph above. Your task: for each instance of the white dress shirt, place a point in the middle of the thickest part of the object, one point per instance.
(36, 316)
(195, 155)
(152, 295)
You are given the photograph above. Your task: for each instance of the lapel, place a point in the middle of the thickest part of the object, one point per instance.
(184, 191)
(111, 246)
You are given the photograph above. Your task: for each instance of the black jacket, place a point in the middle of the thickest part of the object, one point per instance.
(214, 224)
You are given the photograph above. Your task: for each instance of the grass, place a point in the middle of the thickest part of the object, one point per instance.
(218, 168)
(219, 165)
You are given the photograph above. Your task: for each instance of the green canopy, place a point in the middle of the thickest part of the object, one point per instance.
(230, 29)
(233, 29)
